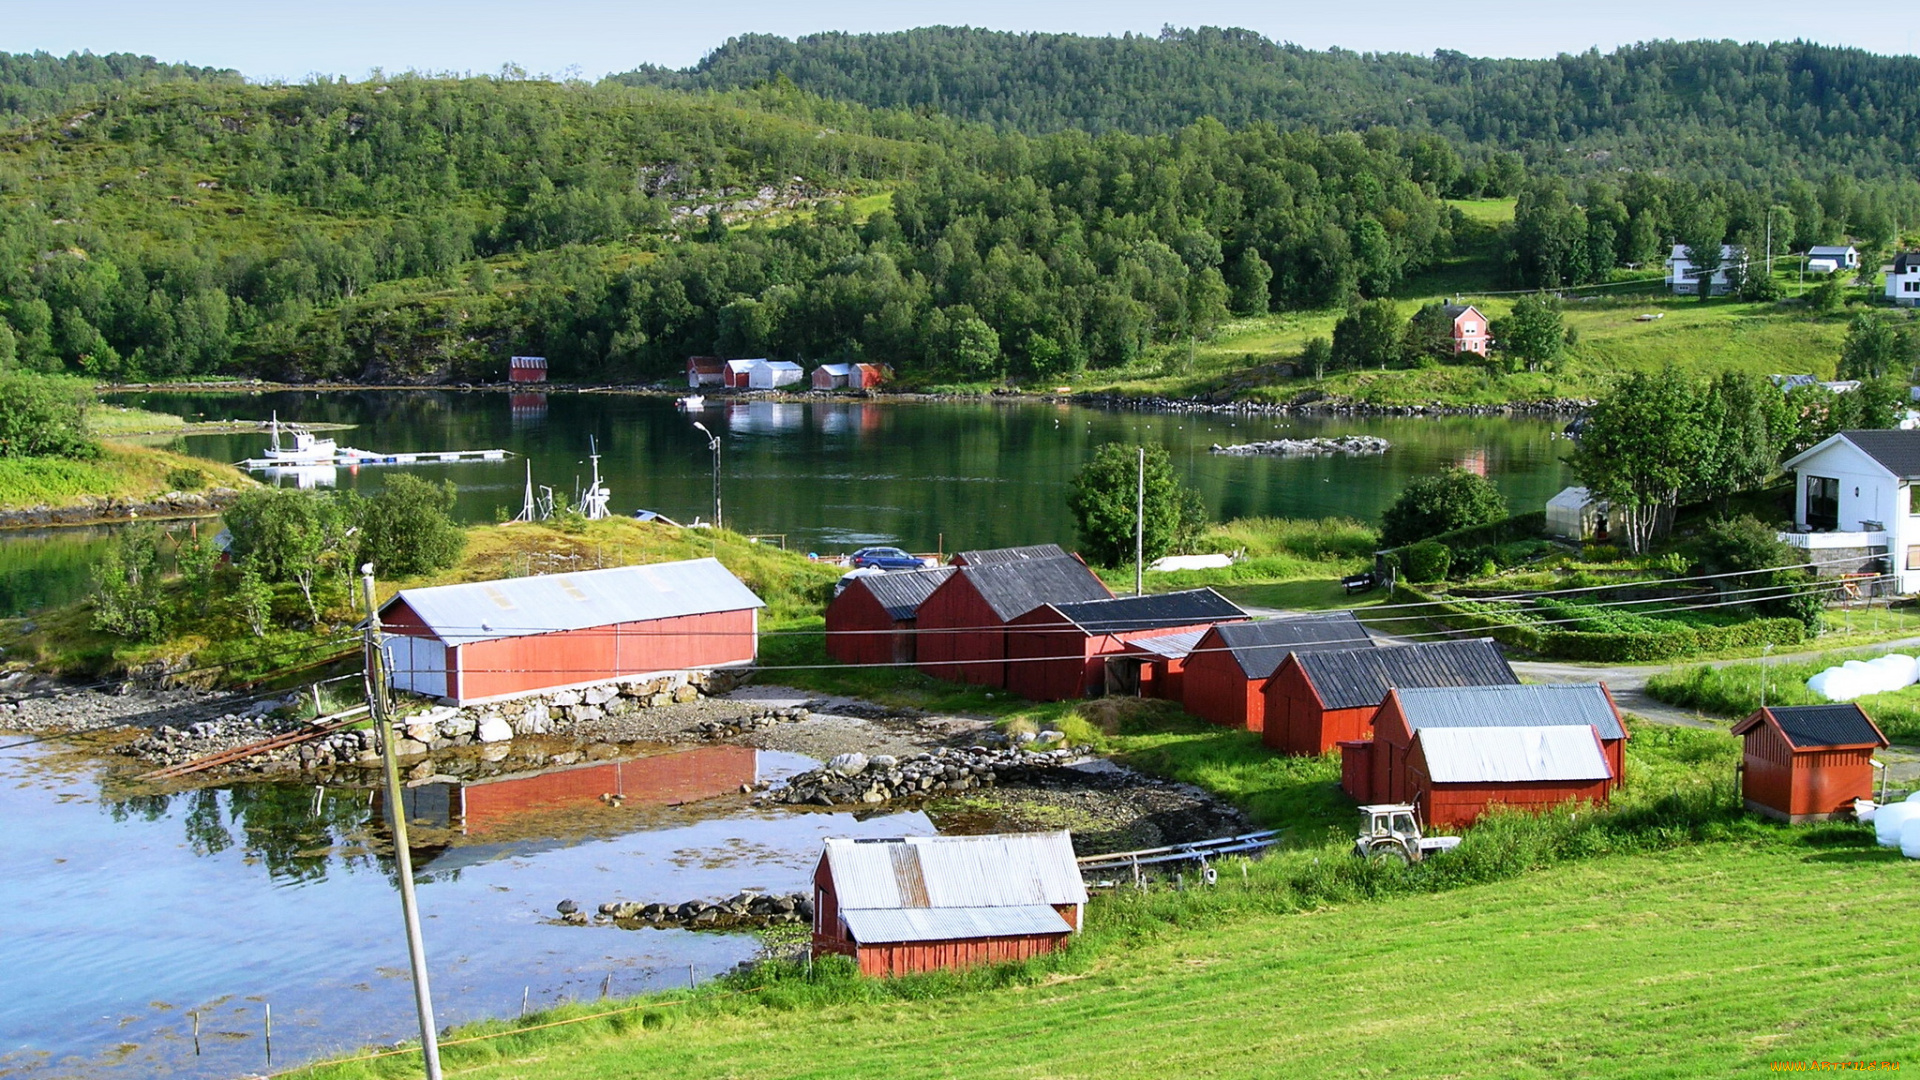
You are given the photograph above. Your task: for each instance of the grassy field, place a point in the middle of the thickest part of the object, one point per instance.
(121, 471)
(1734, 690)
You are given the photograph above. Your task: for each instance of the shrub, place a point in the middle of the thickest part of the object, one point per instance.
(44, 417)
(1428, 560)
(408, 528)
(1431, 505)
(126, 587)
(186, 478)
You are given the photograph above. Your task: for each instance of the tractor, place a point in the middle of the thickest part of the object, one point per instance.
(1391, 831)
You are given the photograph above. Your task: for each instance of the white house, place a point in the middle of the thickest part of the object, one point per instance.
(1682, 278)
(1828, 259)
(1903, 279)
(1853, 507)
(773, 374)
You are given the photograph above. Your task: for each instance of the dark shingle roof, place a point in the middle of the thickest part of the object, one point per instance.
(1351, 678)
(1820, 725)
(1906, 262)
(1127, 614)
(1260, 647)
(1454, 311)
(1541, 705)
(1013, 589)
(1897, 451)
(902, 592)
(999, 556)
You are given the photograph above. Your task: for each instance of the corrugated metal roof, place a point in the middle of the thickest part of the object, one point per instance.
(517, 607)
(1541, 705)
(838, 370)
(902, 592)
(995, 556)
(1260, 647)
(871, 926)
(1126, 614)
(1009, 870)
(1512, 755)
(1809, 726)
(1351, 678)
(1015, 588)
(1171, 646)
(780, 365)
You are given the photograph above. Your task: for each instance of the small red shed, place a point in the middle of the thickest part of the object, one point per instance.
(1321, 698)
(962, 624)
(738, 374)
(1061, 651)
(868, 376)
(873, 619)
(831, 376)
(526, 369)
(1227, 671)
(1455, 774)
(487, 640)
(706, 371)
(927, 903)
(1407, 711)
(1807, 762)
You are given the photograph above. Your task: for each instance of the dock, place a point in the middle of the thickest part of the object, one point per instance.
(347, 455)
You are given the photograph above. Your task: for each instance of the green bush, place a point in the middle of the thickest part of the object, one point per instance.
(186, 478)
(1450, 500)
(44, 417)
(408, 528)
(1428, 560)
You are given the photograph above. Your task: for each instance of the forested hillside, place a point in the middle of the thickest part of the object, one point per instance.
(39, 84)
(1751, 113)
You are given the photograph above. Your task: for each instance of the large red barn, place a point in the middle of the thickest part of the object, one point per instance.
(873, 619)
(1455, 774)
(1317, 700)
(1061, 651)
(486, 640)
(962, 625)
(1807, 762)
(1226, 673)
(1377, 771)
(924, 903)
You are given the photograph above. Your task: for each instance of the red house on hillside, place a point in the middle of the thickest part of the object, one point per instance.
(1317, 700)
(1226, 673)
(1807, 762)
(1060, 651)
(962, 624)
(873, 619)
(1377, 771)
(1469, 329)
(486, 640)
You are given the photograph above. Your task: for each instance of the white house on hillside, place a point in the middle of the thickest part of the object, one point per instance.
(1828, 259)
(1903, 279)
(1683, 278)
(1853, 506)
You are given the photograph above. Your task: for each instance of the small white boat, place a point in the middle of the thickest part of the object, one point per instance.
(691, 403)
(306, 449)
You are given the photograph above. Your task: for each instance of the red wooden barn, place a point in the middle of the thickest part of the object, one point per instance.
(1455, 774)
(1317, 700)
(873, 619)
(498, 639)
(1807, 762)
(962, 625)
(1227, 671)
(706, 371)
(924, 903)
(526, 369)
(1377, 772)
(996, 556)
(1060, 651)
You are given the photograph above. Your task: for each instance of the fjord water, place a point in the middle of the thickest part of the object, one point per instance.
(833, 475)
(128, 912)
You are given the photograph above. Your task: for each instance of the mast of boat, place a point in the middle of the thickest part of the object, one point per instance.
(595, 502)
(528, 509)
(276, 431)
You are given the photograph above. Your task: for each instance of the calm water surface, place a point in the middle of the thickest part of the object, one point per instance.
(126, 913)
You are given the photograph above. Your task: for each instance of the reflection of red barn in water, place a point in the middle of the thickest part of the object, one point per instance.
(493, 803)
(527, 408)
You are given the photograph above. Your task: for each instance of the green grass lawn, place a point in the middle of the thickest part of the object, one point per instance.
(1734, 690)
(1716, 960)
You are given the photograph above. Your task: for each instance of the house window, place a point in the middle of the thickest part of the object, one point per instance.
(1823, 502)
(1913, 557)
(1910, 286)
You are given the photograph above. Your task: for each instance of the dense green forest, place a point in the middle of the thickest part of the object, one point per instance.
(1750, 113)
(180, 222)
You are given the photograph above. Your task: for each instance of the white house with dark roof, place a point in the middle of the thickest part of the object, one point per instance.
(1853, 506)
(1831, 258)
(1903, 279)
(1683, 278)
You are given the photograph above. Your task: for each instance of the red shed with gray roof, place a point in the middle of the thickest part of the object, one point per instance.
(486, 640)
(1061, 651)
(873, 619)
(924, 903)
(1317, 700)
(1807, 762)
(1226, 673)
(962, 625)
(1454, 774)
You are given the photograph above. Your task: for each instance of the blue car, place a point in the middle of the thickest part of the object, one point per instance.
(886, 558)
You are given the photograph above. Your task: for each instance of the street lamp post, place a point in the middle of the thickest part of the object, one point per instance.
(713, 444)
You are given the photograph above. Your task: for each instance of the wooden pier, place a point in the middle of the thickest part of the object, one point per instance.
(347, 455)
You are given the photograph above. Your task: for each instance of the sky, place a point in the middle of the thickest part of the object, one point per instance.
(274, 39)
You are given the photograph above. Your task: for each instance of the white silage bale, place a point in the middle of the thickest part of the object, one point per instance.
(1910, 838)
(1819, 684)
(1914, 798)
(1889, 821)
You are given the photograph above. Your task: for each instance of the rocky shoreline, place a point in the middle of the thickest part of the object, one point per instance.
(96, 510)
(743, 911)
(1357, 445)
(856, 779)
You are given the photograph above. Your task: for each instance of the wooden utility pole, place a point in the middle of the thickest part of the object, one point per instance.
(376, 683)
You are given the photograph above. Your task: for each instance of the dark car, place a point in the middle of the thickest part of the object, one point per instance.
(886, 558)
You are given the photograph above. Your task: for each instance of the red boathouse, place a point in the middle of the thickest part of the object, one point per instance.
(962, 626)
(1317, 700)
(873, 619)
(1057, 652)
(1226, 673)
